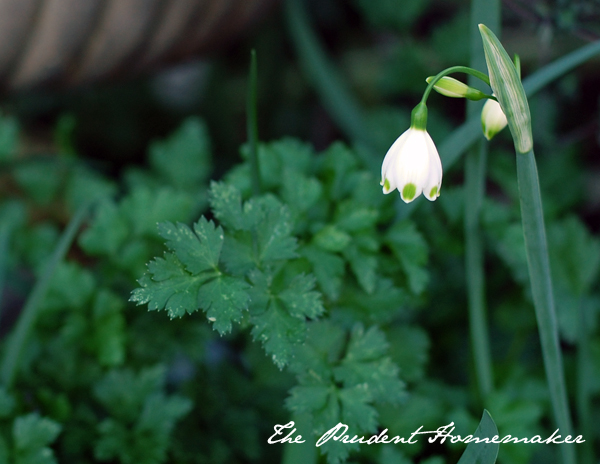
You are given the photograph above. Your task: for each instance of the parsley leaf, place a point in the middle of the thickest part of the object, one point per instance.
(279, 314)
(189, 278)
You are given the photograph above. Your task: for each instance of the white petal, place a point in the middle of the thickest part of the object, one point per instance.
(434, 181)
(412, 166)
(392, 153)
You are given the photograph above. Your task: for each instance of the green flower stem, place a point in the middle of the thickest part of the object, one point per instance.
(543, 298)
(488, 12)
(475, 165)
(451, 70)
(18, 338)
(583, 386)
(252, 123)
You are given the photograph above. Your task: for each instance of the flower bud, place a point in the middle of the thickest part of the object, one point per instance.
(450, 87)
(493, 119)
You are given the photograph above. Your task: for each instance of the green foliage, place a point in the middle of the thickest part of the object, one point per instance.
(141, 418)
(318, 300)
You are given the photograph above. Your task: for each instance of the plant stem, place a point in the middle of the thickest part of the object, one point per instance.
(17, 340)
(252, 123)
(543, 298)
(583, 390)
(454, 69)
(475, 163)
(467, 133)
(487, 12)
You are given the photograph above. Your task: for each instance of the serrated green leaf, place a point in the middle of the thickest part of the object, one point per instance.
(71, 286)
(159, 410)
(384, 303)
(300, 299)
(122, 392)
(298, 191)
(279, 315)
(363, 265)
(331, 238)
(183, 158)
(314, 360)
(40, 179)
(510, 247)
(145, 209)
(226, 203)
(409, 347)
(109, 328)
(84, 186)
(351, 216)
(337, 163)
(294, 154)
(365, 365)
(410, 248)
(142, 416)
(574, 255)
(308, 398)
(238, 253)
(199, 250)
(328, 269)
(33, 433)
(357, 412)
(278, 331)
(273, 229)
(224, 299)
(108, 231)
(169, 286)
(7, 403)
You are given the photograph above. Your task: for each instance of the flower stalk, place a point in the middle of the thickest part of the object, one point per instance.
(506, 84)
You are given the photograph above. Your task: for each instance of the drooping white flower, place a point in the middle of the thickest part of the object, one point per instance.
(412, 165)
(493, 119)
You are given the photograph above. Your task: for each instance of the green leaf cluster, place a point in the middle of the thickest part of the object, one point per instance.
(305, 268)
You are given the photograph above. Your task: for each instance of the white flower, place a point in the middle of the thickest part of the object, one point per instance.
(412, 165)
(493, 119)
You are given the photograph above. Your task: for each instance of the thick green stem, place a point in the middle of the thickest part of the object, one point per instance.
(252, 123)
(17, 340)
(543, 298)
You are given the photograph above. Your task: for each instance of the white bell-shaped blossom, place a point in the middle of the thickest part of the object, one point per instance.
(412, 165)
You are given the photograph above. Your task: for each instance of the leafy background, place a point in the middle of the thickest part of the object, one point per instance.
(319, 300)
